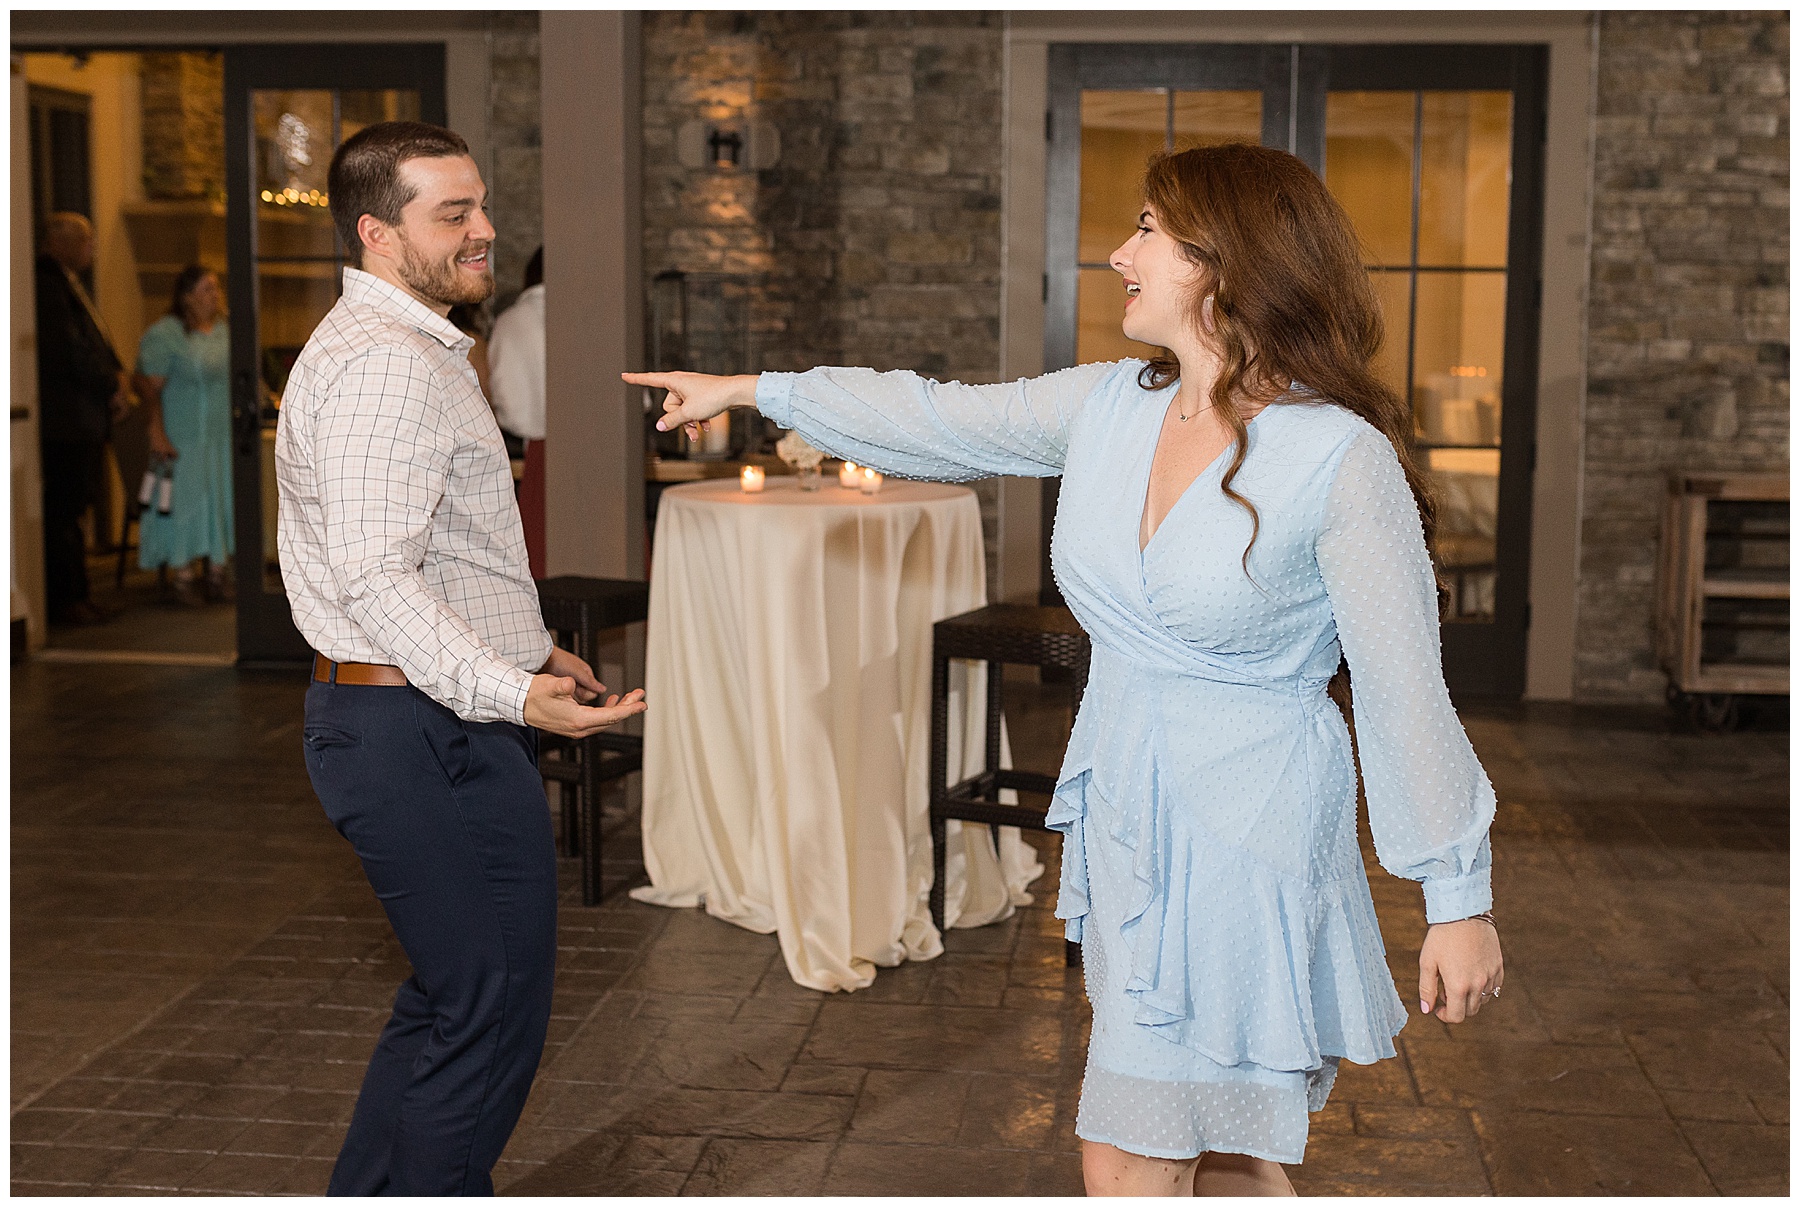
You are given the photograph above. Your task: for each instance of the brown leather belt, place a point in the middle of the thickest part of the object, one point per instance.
(356, 674)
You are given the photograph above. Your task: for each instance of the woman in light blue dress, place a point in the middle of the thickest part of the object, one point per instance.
(183, 376)
(1233, 519)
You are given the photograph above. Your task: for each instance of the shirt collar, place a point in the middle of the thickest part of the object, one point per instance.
(366, 289)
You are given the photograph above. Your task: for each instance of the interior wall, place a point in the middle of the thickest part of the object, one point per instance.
(593, 315)
(467, 38)
(115, 146)
(1687, 364)
(875, 236)
(116, 140)
(467, 41)
(1556, 485)
(593, 312)
(515, 132)
(27, 548)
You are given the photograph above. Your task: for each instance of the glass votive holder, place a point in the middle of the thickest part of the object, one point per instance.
(871, 481)
(750, 479)
(849, 476)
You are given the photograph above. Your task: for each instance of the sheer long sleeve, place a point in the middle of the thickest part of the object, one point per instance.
(902, 423)
(1430, 802)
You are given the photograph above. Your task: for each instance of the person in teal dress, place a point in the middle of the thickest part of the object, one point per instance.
(183, 376)
(1240, 519)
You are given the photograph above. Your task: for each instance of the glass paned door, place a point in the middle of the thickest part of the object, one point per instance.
(298, 256)
(1424, 177)
(1436, 152)
(287, 109)
(1112, 107)
(1120, 130)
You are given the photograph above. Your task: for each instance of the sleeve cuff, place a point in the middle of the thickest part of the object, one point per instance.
(1454, 898)
(775, 396)
(510, 687)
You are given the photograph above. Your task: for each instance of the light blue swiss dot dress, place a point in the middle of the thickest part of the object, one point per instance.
(1208, 797)
(196, 403)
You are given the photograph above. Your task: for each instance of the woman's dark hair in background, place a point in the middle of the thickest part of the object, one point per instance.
(185, 281)
(534, 269)
(1292, 300)
(365, 174)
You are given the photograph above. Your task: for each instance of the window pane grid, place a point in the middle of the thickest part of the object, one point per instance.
(1423, 175)
(1120, 130)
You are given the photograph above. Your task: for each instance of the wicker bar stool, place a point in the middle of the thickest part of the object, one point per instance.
(997, 634)
(577, 610)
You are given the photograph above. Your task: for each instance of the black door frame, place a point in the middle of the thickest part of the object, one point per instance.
(266, 634)
(1480, 660)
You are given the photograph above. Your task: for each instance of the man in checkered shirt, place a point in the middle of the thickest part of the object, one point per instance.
(404, 562)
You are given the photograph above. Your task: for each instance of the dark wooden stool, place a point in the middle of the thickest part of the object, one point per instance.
(996, 634)
(577, 610)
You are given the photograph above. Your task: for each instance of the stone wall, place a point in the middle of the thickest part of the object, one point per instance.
(1688, 309)
(875, 240)
(183, 97)
(516, 192)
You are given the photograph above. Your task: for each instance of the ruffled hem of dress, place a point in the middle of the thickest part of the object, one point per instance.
(1188, 1153)
(1229, 1001)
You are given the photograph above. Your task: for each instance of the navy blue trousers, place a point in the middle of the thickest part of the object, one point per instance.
(451, 824)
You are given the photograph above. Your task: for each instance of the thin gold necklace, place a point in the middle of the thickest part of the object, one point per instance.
(1185, 418)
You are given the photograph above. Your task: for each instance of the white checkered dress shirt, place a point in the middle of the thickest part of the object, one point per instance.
(399, 535)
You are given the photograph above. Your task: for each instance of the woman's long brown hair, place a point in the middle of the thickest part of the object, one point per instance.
(1291, 299)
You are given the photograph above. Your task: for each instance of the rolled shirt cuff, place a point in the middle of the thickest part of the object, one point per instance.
(775, 397)
(1449, 899)
(507, 688)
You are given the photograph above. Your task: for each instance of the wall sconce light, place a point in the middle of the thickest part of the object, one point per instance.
(724, 145)
(727, 147)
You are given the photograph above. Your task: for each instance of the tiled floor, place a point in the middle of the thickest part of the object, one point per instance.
(199, 972)
(148, 620)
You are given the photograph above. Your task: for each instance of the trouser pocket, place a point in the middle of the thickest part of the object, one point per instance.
(323, 737)
(445, 735)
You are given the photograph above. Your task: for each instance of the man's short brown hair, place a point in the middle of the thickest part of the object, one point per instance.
(365, 174)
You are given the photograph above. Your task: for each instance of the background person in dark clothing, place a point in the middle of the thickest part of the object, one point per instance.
(82, 388)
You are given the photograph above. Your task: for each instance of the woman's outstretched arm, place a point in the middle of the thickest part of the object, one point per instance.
(900, 422)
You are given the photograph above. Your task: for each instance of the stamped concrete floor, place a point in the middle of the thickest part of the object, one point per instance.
(199, 972)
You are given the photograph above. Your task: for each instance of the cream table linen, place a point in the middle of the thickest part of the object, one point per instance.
(787, 746)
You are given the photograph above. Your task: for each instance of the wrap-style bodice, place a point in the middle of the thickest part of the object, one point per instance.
(1206, 743)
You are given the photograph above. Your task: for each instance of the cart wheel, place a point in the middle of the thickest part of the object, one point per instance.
(1713, 712)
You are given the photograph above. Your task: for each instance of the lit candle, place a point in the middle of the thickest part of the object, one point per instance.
(848, 477)
(871, 481)
(750, 481)
(715, 440)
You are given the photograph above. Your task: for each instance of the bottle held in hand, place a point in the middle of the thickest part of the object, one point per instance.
(158, 486)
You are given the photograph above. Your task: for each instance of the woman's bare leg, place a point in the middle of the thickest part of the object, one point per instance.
(1113, 1171)
(1234, 1173)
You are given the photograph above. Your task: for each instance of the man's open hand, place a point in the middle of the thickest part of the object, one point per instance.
(562, 663)
(553, 705)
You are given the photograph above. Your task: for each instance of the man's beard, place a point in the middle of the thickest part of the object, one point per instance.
(443, 283)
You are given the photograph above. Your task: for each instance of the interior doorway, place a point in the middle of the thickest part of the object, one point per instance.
(212, 159)
(131, 142)
(1437, 154)
(286, 110)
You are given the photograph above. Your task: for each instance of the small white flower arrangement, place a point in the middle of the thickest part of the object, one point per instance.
(795, 451)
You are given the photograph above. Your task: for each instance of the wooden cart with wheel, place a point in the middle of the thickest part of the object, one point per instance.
(1722, 593)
